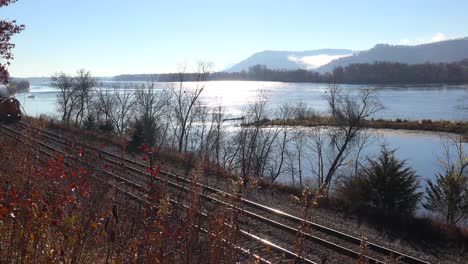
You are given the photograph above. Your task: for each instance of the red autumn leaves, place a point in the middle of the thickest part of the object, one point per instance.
(7, 30)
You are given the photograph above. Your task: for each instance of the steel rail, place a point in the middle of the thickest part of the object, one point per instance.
(265, 242)
(329, 231)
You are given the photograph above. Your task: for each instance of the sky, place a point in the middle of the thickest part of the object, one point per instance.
(111, 37)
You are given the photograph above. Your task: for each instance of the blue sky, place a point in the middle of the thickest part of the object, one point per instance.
(111, 37)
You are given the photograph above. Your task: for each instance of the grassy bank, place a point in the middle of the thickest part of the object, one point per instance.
(457, 127)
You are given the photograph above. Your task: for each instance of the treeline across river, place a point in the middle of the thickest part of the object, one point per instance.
(359, 73)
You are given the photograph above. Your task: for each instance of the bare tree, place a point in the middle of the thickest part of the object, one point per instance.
(264, 156)
(123, 102)
(186, 100)
(83, 84)
(276, 158)
(303, 111)
(216, 135)
(255, 144)
(296, 155)
(103, 105)
(362, 141)
(152, 105)
(447, 196)
(196, 136)
(66, 95)
(247, 138)
(319, 153)
(284, 113)
(348, 111)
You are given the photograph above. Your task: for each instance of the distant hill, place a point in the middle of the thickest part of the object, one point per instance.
(290, 60)
(444, 51)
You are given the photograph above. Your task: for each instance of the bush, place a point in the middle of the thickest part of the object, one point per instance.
(106, 127)
(137, 138)
(426, 121)
(51, 212)
(144, 132)
(349, 194)
(448, 197)
(385, 186)
(89, 122)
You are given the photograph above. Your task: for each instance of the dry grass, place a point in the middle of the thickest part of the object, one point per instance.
(54, 212)
(421, 125)
(51, 212)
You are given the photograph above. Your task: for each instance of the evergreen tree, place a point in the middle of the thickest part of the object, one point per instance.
(389, 186)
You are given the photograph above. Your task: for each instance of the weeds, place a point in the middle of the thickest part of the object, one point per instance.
(53, 212)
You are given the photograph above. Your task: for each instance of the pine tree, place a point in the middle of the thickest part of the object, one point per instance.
(389, 186)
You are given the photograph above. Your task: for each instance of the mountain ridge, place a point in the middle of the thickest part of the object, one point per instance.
(436, 52)
(446, 51)
(285, 60)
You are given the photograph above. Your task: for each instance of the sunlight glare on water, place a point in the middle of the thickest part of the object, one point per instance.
(413, 102)
(404, 102)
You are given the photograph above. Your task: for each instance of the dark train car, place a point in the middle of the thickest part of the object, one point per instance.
(9, 110)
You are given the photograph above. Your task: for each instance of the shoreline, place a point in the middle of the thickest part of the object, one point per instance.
(428, 125)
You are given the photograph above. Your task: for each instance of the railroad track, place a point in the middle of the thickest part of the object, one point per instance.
(277, 252)
(278, 222)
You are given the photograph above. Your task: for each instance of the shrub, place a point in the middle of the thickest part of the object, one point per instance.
(54, 212)
(385, 186)
(426, 121)
(137, 138)
(89, 122)
(144, 132)
(349, 194)
(448, 197)
(389, 186)
(106, 127)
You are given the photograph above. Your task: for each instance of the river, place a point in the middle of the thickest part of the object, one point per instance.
(420, 149)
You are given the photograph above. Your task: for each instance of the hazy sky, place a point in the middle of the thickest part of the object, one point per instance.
(111, 37)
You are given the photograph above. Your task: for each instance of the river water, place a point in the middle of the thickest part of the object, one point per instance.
(420, 149)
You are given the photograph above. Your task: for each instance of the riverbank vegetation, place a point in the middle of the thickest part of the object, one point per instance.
(175, 120)
(314, 120)
(57, 210)
(60, 209)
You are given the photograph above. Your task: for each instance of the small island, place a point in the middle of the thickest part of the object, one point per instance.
(455, 127)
